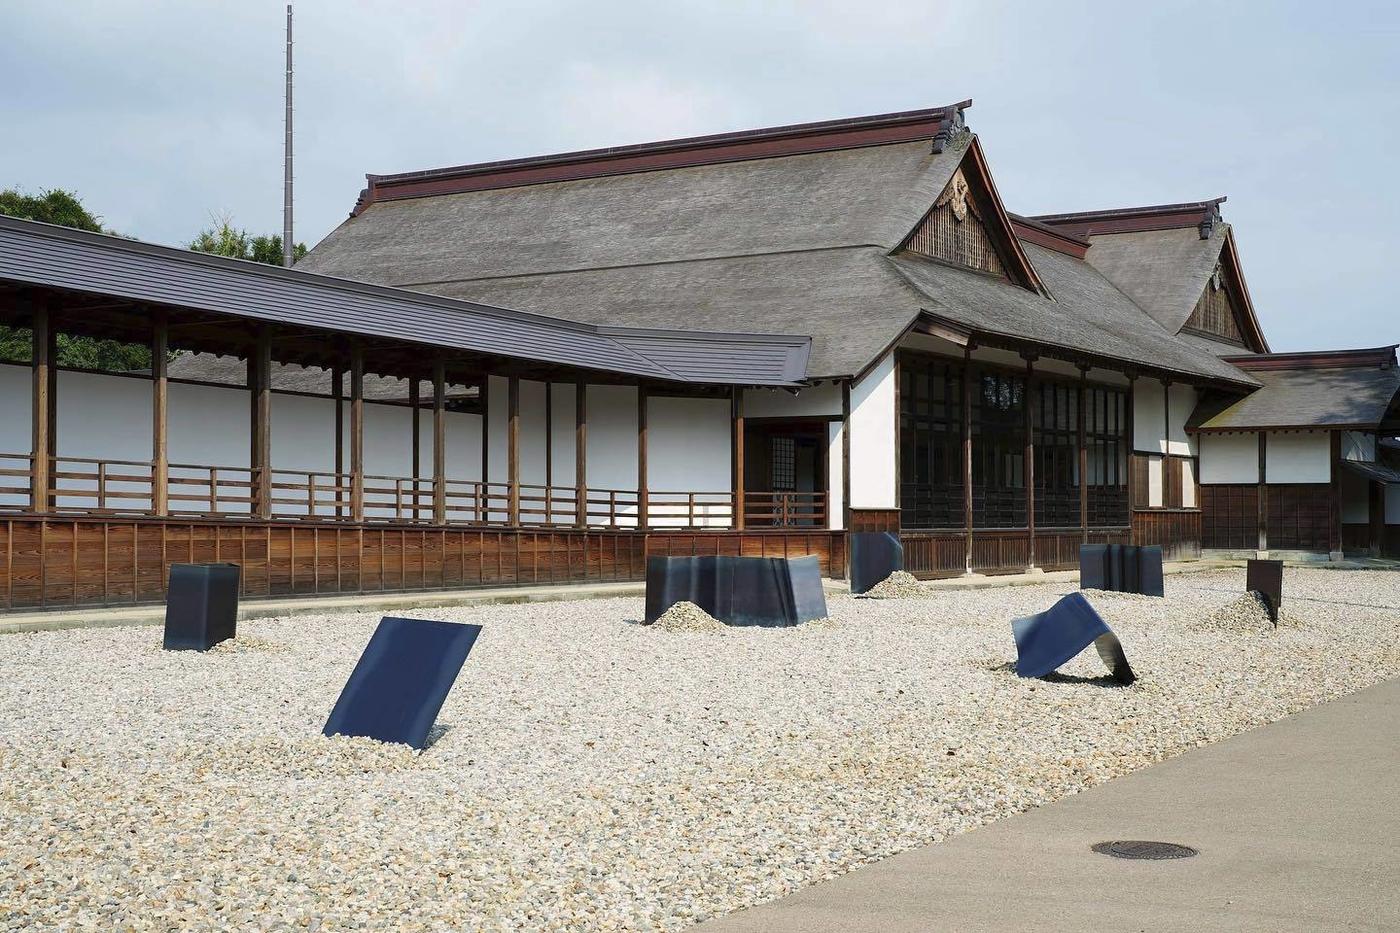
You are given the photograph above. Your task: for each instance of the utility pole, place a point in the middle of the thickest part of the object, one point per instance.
(287, 157)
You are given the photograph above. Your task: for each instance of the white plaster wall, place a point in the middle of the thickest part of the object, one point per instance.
(688, 450)
(1149, 417)
(873, 439)
(15, 432)
(1155, 474)
(835, 502)
(818, 401)
(612, 442)
(1304, 457)
(1357, 445)
(563, 425)
(1183, 402)
(1229, 458)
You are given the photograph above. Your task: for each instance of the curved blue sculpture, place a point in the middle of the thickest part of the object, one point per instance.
(1048, 639)
(401, 680)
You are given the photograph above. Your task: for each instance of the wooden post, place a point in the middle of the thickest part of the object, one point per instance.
(1334, 525)
(736, 460)
(52, 379)
(1376, 513)
(1029, 470)
(160, 460)
(846, 465)
(260, 389)
(1132, 450)
(1263, 492)
(41, 448)
(642, 456)
(513, 448)
(338, 393)
(439, 442)
(581, 453)
(967, 455)
(1083, 455)
(415, 405)
(357, 433)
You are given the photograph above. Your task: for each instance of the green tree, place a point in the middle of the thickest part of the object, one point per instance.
(224, 239)
(64, 208)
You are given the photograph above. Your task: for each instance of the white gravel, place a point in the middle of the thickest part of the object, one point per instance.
(593, 773)
(898, 585)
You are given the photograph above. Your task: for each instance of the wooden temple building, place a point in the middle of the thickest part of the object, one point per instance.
(546, 370)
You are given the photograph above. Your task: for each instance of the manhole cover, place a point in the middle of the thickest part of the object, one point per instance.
(1140, 849)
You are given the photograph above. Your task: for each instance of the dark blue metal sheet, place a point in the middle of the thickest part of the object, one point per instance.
(201, 606)
(874, 556)
(1047, 640)
(766, 591)
(1121, 568)
(402, 679)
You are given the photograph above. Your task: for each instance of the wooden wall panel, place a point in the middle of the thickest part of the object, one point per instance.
(1300, 516)
(874, 519)
(1176, 531)
(1230, 516)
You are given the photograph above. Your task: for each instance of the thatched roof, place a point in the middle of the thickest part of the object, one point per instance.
(1163, 271)
(1333, 393)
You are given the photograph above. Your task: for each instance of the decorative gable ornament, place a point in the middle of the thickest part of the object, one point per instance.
(955, 196)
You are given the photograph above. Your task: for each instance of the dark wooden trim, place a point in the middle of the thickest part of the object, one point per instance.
(549, 444)
(41, 441)
(513, 449)
(736, 459)
(1320, 359)
(897, 416)
(439, 441)
(260, 384)
(338, 395)
(642, 491)
(1029, 459)
(1263, 491)
(846, 458)
(1334, 495)
(485, 430)
(415, 404)
(581, 453)
(967, 450)
(357, 433)
(160, 459)
(1083, 456)
(1131, 428)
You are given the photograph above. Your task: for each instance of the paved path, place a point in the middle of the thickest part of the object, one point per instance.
(1298, 824)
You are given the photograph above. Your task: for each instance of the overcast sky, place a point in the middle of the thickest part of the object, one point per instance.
(161, 114)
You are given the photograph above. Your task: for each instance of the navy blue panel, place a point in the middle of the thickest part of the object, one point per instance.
(1121, 568)
(401, 680)
(767, 591)
(874, 556)
(1048, 639)
(1093, 566)
(1149, 565)
(1265, 577)
(201, 606)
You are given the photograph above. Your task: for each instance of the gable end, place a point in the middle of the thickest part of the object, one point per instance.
(1215, 314)
(954, 231)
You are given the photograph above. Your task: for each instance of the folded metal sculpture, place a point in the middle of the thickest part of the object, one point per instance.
(1265, 577)
(201, 606)
(874, 556)
(1048, 639)
(403, 677)
(1121, 568)
(766, 591)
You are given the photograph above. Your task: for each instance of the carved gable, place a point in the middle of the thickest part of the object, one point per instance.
(1215, 312)
(955, 231)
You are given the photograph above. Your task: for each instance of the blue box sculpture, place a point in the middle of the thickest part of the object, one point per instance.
(401, 680)
(201, 606)
(1265, 577)
(1048, 639)
(1121, 568)
(767, 591)
(874, 556)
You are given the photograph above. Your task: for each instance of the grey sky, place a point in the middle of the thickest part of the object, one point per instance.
(161, 113)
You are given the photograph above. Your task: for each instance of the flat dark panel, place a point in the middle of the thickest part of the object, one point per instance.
(1121, 568)
(1047, 640)
(201, 606)
(765, 591)
(401, 680)
(1265, 577)
(874, 556)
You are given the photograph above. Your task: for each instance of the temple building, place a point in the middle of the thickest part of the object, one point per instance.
(548, 369)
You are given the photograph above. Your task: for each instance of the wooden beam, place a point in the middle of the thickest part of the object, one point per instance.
(1131, 446)
(1263, 480)
(485, 435)
(846, 466)
(41, 447)
(415, 432)
(513, 448)
(160, 457)
(1083, 455)
(260, 434)
(642, 518)
(338, 393)
(581, 453)
(898, 457)
(1028, 471)
(967, 455)
(549, 451)
(439, 442)
(736, 451)
(357, 433)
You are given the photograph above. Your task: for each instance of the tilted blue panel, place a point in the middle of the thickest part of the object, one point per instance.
(401, 680)
(874, 556)
(1047, 640)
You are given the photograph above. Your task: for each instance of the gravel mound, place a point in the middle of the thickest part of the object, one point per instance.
(898, 585)
(1245, 614)
(592, 775)
(688, 617)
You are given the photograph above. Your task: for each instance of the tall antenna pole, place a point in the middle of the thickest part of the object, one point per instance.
(287, 157)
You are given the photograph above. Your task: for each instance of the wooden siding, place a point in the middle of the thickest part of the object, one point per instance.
(1215, 314)
(1300, 516)
(933, 554)
(966, 242)
(50, 562)
(1230, 516)
(1176, 531)
(874, 519)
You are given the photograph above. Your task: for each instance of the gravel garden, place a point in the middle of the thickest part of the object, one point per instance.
(589, 772)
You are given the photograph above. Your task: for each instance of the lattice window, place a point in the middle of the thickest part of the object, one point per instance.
(783, 463)
(1055, 418)
(955, 231)
(998, 450)
(1106, 443)
(930, 419)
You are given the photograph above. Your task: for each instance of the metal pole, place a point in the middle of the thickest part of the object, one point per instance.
(287, 157)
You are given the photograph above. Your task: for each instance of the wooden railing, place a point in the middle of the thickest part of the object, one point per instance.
(211, 490)
(690, 509)
(14, 481)
(100, 487)
(785, 509)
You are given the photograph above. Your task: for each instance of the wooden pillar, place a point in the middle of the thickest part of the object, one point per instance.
(42, 364)
(513, 448)
(1028, 472)
(846, 465)
(642, 456)
(1083, 455)
(736, 450)
(581, 453)
(1334, 524)
(357, 433)
(1263, 492)
(967, 456)
(338, 393)
(415, 433)
(439, 442)
(549, 452)
(260, 389)
(160, 459)
(1376, 504)
(1131, 447)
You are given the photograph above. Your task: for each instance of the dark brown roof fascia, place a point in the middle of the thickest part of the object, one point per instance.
(1316, 359)
(1061, 241)
(797, 139)
(1134, 219)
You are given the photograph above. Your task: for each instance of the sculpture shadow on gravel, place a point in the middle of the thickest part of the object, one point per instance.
(398, 686)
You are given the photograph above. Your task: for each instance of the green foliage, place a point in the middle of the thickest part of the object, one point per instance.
(51, 206)
(224, 239)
